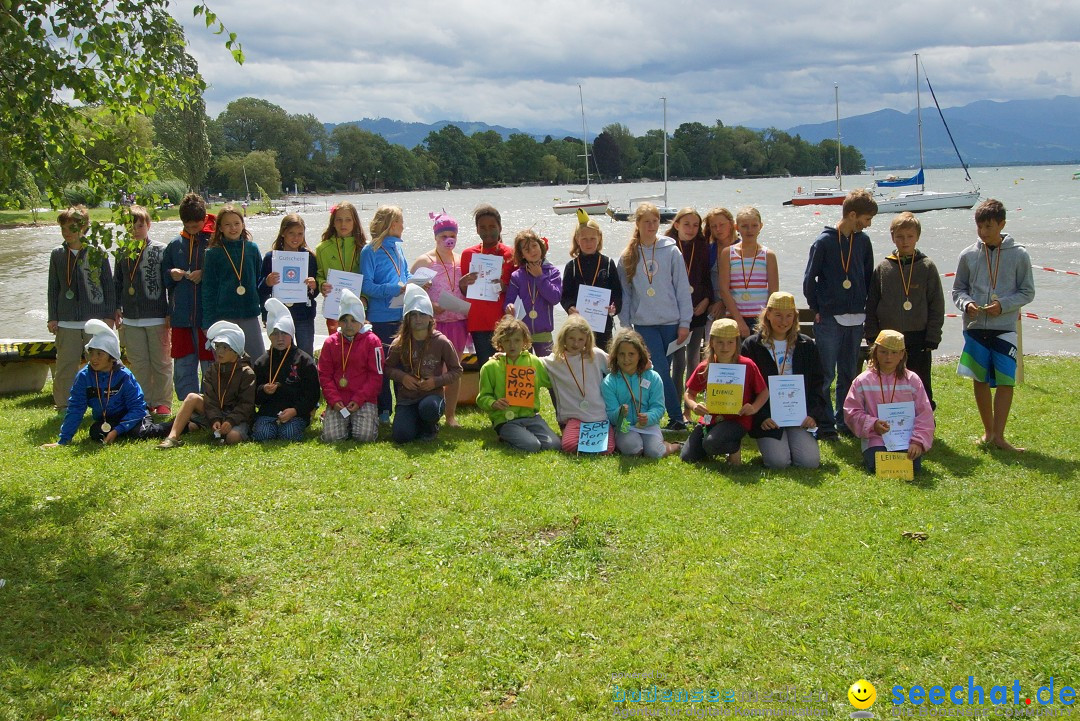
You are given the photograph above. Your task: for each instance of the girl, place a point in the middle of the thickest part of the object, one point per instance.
(422, 362)
(339, 248)
(520, 426)
(450, 323)
(722, 435)
(351, 375)
(588, 266)
(230, 282)
(686, 230)
(888, 381)
(385, 274)
(634, 398)
(718, 225)
(229, 399)
(748, 273)
(778, 348)
(657, 299)
(110, 391)
(539, 286)
(290, 238)
(286, 381)
(576, 370)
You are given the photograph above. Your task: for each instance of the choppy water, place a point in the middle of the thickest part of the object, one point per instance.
(1044, 215)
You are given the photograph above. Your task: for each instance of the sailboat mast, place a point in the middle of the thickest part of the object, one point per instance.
(585, 138)
(918, 108)
(839, 165)
(665, 151)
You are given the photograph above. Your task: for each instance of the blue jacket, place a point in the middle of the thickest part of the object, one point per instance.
(219, 297)
(823, 281)
(651, 399)
(385, 270)
(125, 406)
(185, 308)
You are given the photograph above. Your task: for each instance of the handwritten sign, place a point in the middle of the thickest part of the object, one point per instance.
(521, 386)
(724, 388)
(901, 420)
(593, 437)
(787, 400)
(894, 465)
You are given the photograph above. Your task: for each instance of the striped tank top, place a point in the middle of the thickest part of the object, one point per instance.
(749, 281)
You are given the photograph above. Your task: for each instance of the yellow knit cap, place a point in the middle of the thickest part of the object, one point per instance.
(781, 301)
(890, 340)
(724, 328)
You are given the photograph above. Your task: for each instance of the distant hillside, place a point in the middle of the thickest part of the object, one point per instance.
(987, 133)
(412, 134)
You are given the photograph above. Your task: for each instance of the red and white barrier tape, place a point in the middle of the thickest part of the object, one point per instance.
(1033, 316)
(1036, 267)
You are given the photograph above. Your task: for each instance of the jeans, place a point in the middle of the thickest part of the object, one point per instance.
(186, 372)
(530, 434)
(838, 348)
(719, 439)
(657, 338)
(386, 332)
(481, 340)
(305, 336)
(417, 420)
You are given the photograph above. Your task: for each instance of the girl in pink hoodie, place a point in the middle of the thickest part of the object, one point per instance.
(351, 375)
(888, 381)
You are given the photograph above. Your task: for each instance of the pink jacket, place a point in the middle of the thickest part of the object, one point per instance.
(363, 373)
(860, 406)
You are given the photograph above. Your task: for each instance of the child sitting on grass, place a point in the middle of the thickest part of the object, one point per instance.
(634, 398)
(351, 375)
(286, 381)
(576, 370)
(519, 425)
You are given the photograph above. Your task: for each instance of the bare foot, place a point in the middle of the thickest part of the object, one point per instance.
(984, 440)
(672, 448)
(452, 423)
(1006, 446)
(735, 459)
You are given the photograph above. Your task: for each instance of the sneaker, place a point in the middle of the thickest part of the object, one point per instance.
(162, 410)
(170, 443)
(675, 425)
(384, 417)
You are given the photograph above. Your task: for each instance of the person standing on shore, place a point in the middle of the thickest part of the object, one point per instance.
(485, 314)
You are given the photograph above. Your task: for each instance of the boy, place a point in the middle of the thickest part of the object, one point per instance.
(144, 306)
(993, 282)
(905, 294)
(79, 290)
(484, 314)
(835, 283)
(183, 268)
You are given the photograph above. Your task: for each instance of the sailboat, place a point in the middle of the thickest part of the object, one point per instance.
(666, 212)
(586, 203)
(921, 200)
(825, 196)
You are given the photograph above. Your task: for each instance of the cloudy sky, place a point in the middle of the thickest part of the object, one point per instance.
(759, 63)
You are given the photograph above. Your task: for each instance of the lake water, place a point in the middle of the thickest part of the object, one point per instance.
(1041, 202)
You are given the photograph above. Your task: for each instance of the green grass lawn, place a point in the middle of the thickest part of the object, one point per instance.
(461, 580)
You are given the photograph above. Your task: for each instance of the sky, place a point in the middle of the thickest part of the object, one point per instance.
(744, 62)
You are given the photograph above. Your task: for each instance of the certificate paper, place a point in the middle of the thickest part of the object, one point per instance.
(901, 420)
(592, 304)
(453, 303)
(292, 267)
(787, 400)
(488, 269)
(724, 390)
(422, 276)
(340, 280)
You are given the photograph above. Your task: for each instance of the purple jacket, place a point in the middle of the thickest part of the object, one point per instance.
(540, 294)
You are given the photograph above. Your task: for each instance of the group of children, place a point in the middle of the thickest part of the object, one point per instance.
(204, 299)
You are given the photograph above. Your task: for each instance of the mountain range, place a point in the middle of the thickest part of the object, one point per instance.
(987, 132)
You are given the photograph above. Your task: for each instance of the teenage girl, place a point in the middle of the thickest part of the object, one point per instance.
(577, 368)
(339, 248)
(230, 282)
(588, 266)
(634, 398)
(748, 273)
(290, 238)
(539, 286)
(686, 230)
(718, 225)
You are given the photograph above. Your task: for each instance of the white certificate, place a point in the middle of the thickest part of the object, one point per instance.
(422, 276)
(340, 280)
(901, 420)
(292, 267)
(787, 400)
(454, 304)
(592, 304)
(676, 345)
(488, 269)
(724, 388)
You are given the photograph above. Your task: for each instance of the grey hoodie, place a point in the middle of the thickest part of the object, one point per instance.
(671, 305)
(1014, 287)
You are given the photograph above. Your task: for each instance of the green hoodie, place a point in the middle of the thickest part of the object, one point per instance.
(493, 387)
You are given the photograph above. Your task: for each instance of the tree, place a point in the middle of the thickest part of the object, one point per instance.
(244, 172)
(454, 154)
(126, 57)
(358, 156)
(180, 133)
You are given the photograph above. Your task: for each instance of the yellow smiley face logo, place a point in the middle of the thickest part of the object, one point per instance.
(862, 694)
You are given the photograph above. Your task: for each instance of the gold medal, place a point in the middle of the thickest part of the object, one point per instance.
(847, 283)
(288, 305)
(343, 382)
(584, 405)
(907, 305)
(240, 290)
(508, 415)
(70, 294)
(105, 427)
(131, 290)
(650, 292)
(993, 296)
(746, 296)
(691, 290)
(533, 314)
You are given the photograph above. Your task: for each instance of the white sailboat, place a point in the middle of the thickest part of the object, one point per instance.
(584, 200)
(826, 196)
(666, 212)
(921, 200)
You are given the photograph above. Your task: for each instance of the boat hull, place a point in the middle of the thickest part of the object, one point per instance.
(829, 196)
(923, 201)
(666, 214)
(592, 207)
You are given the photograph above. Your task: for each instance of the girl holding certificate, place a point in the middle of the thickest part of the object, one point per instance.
(889, 390)
(779, 349)
(589, 267)
(722, 434)
(290, 238)
(339, 249)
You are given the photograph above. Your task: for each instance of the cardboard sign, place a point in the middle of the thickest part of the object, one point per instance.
(593, 437)
(894, 465)
(724, 389)
(521, 386)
